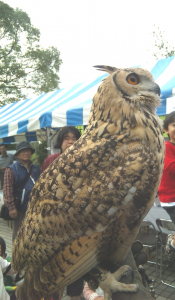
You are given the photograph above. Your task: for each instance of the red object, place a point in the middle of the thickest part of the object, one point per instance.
(48, 161)
(167, 185)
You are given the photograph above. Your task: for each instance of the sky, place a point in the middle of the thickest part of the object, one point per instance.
(91, 32)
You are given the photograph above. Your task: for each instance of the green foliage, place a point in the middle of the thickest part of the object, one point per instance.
(24, 64)
(40, 153)
(163, 48)
(11, 147)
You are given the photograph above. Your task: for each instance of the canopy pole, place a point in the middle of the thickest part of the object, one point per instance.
(36, 152)
(48, 134)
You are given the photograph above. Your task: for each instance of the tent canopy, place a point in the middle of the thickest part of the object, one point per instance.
(28, 119)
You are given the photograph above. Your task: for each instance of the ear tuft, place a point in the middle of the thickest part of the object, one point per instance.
(108, 69)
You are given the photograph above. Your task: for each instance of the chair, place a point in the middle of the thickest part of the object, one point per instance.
(165, 227)
(149, 238)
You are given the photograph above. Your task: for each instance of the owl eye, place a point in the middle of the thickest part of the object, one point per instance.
(132, 79)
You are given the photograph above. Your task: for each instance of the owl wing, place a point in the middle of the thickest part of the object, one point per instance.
(81, 203)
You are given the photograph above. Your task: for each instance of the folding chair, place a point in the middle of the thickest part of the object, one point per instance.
(149, 238)
(166, 227)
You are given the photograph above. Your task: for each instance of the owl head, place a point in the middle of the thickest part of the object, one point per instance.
(132, 88)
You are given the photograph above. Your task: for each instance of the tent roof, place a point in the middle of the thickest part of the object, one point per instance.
(28, 119)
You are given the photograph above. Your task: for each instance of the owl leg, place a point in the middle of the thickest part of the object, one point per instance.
(109, 282)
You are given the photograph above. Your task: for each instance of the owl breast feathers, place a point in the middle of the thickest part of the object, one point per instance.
(89, 203)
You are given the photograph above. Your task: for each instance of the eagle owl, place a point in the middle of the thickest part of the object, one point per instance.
(89, 203)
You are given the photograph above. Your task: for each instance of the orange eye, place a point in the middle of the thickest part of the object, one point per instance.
(132, 79)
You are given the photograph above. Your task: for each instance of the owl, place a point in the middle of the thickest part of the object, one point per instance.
(89, 203)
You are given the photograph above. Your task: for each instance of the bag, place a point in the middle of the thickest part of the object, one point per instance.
(4, 209)
(5, 213)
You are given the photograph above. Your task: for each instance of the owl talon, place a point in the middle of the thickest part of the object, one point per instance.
(111, 285)
(123, 271)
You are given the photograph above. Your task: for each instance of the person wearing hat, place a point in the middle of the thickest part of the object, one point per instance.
(13, 179)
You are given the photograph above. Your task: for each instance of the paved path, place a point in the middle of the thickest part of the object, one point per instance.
(6, 234)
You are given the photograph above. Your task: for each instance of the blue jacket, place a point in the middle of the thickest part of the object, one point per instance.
(20, 171)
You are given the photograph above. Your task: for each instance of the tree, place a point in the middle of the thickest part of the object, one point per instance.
(41, 153)
(164, 49)
(24, 64)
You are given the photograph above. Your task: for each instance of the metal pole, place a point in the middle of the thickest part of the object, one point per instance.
(48, 140)
(36, 154)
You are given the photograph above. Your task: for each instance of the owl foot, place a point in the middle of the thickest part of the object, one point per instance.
(109, 282)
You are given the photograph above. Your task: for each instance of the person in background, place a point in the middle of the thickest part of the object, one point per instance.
(4, 264)
(166, 190)
(91, 295)
(13, 178)
(66, 138)
(2, 248)
(5, 161)
(7, 278)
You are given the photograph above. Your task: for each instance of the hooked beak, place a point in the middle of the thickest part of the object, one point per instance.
(155, 89)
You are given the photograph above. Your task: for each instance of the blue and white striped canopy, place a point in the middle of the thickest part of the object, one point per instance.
(28, 119)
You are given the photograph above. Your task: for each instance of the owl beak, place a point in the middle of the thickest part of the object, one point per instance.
(155, 89)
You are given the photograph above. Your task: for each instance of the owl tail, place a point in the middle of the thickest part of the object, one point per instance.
(67, 266)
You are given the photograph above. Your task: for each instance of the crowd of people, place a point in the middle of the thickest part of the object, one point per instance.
(19, 178)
